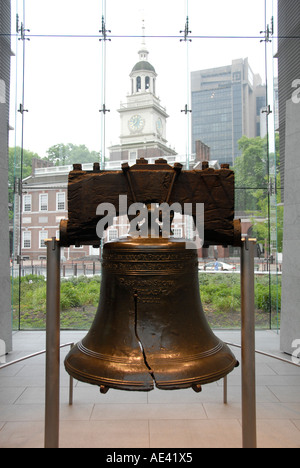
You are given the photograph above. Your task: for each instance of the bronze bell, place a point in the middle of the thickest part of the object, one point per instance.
(150, 329)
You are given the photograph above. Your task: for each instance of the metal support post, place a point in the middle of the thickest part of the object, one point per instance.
(225, 390)
(52, 345)
(71, 385)
(248, 345)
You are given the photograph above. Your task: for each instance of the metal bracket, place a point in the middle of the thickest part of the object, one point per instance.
(104, 31)
(186, 32)
(186, 110)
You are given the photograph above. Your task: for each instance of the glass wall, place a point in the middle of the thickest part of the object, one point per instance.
(208, 73)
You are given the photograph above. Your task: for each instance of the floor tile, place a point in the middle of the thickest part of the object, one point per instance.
(104, 434)
(286, 393)
(156, 419)
(22, 434)
(149, 411)
(195, 434)
(277, 434)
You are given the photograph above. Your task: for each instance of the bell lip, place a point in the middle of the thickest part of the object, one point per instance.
(165, 378)
(188, 382)
(117, 383)
(127, 385)
(146, 386)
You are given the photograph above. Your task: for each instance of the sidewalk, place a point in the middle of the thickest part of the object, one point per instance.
(158, 419)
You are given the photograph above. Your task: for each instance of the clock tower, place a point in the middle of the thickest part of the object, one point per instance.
(143, 118)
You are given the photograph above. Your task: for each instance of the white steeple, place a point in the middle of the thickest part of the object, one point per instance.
(143, 118)
(143, 75)
(143, 52)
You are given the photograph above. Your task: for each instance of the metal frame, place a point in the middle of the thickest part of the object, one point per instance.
(248, 344)
(53, 345)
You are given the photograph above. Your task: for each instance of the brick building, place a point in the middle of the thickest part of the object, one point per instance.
(44, 206)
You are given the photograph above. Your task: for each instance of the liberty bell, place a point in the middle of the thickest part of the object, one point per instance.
(150, 329)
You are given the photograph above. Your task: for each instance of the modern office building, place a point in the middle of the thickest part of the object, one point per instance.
(226, 104)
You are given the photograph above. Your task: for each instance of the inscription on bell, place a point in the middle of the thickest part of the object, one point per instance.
(153, 263)
(148, 291)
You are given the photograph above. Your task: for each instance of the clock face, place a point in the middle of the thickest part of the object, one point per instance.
(136, 123)
(159, 126)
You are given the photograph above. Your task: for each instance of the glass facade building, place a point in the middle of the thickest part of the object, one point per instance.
(226, 105)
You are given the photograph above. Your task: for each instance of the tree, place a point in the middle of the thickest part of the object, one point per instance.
(14, 163)
(261, 228)
(250, 172)
(64, 155)
(19, 166)
(252, 187)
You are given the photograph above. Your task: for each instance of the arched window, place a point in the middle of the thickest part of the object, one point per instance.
(147, 83)
(138, 84)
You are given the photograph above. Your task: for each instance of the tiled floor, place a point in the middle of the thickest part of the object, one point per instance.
(159, 419)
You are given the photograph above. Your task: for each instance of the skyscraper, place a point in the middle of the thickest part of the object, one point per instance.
(226, 104)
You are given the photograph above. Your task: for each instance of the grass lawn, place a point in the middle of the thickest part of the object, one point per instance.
(220, 295)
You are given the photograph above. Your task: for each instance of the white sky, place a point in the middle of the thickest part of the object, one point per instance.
(63, 75)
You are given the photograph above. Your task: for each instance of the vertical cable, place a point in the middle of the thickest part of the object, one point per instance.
(21, 110)
(275, 170)
(187, 109)
(188, 145)
(16, 192)
(103, 94)
(103, 109)
(266, 40)
(188, 149)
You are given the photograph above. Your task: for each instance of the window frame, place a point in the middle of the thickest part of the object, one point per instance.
(42, 239)
(27, 204)
(41, 195)
(27, 233)
(58, 194)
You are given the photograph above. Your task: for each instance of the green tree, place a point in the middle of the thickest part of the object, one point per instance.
(63, 155)
(261, 228)
(19, 166)
(252, 186)
(250, 172)
(16, 158)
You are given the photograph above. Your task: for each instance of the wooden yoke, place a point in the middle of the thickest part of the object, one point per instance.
(151, 184)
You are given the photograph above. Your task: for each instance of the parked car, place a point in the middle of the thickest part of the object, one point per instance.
(217, 266)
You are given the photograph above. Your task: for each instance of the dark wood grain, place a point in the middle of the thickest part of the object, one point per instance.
(148, 184)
